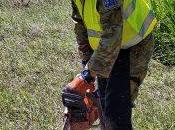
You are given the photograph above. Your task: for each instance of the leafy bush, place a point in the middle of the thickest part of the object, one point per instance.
(165, 33)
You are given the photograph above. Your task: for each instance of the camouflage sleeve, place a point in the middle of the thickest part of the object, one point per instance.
(103, 58)
(85, 51)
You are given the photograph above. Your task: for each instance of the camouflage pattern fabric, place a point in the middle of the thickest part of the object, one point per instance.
(84, 48)
(111, 21)
(140, 56)
(101, 60)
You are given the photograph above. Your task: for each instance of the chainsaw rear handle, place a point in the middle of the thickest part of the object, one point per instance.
(72, 100)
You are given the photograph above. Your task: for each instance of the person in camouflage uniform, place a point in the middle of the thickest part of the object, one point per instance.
(119, 72)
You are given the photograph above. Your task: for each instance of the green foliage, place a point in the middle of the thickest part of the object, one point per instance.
(165, 34)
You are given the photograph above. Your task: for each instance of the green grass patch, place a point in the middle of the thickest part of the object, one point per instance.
(38, 54)
(165, 33)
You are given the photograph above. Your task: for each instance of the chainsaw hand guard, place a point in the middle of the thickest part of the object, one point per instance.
(75, 101)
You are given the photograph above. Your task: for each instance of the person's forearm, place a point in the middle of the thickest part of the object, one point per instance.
(102, 60)
(85, 51)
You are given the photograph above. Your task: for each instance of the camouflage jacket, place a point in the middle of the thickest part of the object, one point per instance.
(101, 60)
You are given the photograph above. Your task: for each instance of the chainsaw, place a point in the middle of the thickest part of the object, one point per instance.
(82, 105)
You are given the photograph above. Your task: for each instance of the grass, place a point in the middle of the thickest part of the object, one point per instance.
(164, 35)
(155, 108)
(37, 55)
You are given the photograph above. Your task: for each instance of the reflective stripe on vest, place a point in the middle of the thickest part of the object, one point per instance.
(136, 24)
(128, 11)
(147, 27)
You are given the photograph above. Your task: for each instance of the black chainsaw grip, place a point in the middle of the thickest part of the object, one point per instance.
(71, 100)
(76, 106)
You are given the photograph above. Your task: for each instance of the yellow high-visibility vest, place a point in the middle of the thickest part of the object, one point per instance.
(138, 21)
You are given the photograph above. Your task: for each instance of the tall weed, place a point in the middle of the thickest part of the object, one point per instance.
(165, 33)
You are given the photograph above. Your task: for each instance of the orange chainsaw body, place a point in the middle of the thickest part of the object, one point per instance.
(79, 88)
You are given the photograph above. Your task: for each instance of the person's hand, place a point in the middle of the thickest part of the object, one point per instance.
(88, 76)
(93, 74)
(83, 63)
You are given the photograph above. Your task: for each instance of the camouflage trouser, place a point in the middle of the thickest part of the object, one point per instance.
(119, 91)
(139, 58)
